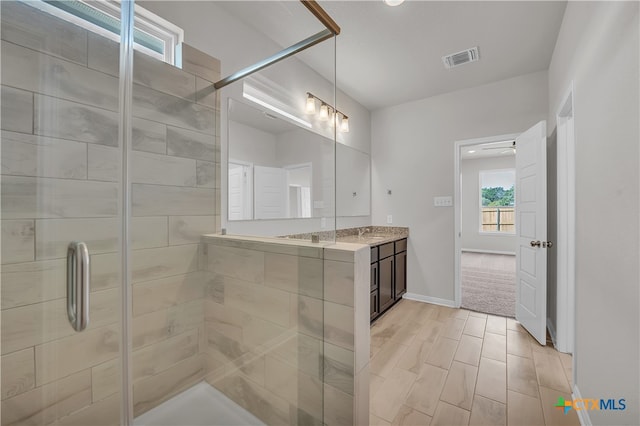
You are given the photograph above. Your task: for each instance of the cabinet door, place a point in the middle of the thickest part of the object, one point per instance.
(374, 276)
(373, 305)
(401, 274)
(385, 283)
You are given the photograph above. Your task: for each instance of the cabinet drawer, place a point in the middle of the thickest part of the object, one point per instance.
(386, 250)
(401, 245)
(374, 254)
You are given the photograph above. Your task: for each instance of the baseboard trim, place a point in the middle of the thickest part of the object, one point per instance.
(583, 415)
(429, 299)
(552, 332)
(508, 253)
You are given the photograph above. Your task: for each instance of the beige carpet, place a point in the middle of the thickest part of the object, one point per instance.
(488, 283)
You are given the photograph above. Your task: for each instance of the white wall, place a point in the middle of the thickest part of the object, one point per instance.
(252, 145)
(212, 29)
(472, 238)
(412, 155)
(598, 48)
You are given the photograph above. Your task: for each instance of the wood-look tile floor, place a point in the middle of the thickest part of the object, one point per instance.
(433, 365)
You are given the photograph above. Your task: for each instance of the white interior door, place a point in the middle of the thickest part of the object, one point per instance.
(531, 229)
(270, 192)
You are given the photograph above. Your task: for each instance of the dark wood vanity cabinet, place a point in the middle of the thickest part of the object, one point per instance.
(388, 275)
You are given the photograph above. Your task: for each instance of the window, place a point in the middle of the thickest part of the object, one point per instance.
(497, 201)
(152, 35)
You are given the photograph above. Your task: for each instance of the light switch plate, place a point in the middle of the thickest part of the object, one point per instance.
(446, 201)
(389, 219)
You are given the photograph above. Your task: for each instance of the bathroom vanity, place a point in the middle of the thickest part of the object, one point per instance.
(388, 275)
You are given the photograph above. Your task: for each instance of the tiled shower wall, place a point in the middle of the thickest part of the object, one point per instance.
(61, 182)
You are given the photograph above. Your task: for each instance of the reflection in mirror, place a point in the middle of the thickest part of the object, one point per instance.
(276, 168)
(279, 170)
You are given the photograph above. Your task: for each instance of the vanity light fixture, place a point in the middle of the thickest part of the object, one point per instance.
(328, 113)
(324, 112)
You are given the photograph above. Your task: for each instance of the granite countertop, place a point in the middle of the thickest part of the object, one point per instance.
(373, 235)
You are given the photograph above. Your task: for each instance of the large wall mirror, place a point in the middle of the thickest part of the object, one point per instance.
(280, 170)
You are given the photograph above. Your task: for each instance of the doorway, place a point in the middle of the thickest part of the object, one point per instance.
(485, 218)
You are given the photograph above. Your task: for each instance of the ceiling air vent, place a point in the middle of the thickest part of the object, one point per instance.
(460, 58)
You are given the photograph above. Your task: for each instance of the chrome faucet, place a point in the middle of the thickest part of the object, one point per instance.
(362, 231)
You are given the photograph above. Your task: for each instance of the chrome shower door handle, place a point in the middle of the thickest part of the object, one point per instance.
(78, 275)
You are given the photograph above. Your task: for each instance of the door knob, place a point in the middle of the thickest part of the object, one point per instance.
(547, 244)
(535, 243)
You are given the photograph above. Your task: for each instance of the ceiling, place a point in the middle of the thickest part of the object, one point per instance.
(488, 150)
(390, 55)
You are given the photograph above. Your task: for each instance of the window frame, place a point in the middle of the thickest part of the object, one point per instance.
(480, 206)
(146, 22)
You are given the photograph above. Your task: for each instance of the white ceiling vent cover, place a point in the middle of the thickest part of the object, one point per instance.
(461, 58)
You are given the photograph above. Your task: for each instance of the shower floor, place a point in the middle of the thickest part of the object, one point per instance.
(200, 405)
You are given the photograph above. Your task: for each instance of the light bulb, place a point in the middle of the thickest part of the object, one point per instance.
(344, 126)
(324, 112)
(311, 104)
(332, 118)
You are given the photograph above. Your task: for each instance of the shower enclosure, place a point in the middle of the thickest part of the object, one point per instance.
(112, 302)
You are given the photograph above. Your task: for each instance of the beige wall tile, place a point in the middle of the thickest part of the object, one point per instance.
(149, 232)
(264, 302)
(17, 240)
(339, 325)
(152, 391)
(43, 322)
(199, 63)
(306, 353)
(159, 325)
(339, 282)
(427, 388)
(54, 235)
(33, 282)
(18, 373)
(189, 229)
(294, 274)
(149, 296)
(17, 111)
(31, 155)
(159, 169)
(492, 380)
(338, 407)
(460, 385)
(102, 413)
(150, 264)
(247, 265)
(153, 359)
(22, 197)
(163, 200)
(46, 404)
(105, 379)
(339, 367)
(62, 357)
(296, 387)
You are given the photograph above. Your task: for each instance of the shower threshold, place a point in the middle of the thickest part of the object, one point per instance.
(200, 405)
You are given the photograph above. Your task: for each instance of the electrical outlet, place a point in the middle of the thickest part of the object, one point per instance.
(389, 219)
(446, 201)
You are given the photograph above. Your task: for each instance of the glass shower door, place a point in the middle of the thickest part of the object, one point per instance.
(61, 183)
